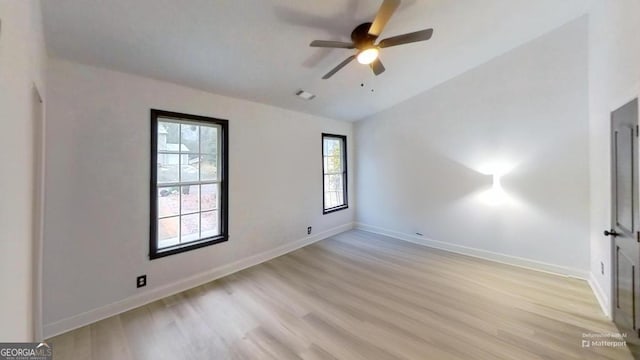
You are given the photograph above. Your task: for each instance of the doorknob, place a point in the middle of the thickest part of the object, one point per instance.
(611, 233)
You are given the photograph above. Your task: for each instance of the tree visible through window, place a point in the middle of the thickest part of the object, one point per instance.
(189, 182)
(334, 171)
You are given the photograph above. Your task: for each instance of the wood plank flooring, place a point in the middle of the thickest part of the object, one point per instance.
(359, 296)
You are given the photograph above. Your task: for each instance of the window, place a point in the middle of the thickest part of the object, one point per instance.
(334, 172)
(189, 182)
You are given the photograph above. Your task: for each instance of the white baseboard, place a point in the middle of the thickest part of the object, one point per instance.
(479, 253)
(91, 316)
(601, 296)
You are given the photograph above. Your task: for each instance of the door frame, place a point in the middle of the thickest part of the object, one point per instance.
(628, 96)
(39, 149)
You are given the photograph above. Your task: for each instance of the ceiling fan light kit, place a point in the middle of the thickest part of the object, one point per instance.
(367, 56)
(364, 36)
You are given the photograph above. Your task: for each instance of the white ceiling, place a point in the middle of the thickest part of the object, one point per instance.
(258, 49)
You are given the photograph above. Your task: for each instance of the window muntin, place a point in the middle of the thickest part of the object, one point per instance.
(189, 185)
(334, 172)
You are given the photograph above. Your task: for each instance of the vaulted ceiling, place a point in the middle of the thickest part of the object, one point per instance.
(259, 49)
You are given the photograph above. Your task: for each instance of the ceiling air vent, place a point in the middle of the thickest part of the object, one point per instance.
(305, 95)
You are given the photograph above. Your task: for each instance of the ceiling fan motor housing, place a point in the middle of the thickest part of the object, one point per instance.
(361, 37)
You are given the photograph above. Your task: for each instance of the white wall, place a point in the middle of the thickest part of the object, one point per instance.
(22, 66)
(97, 214)
(614, 79)
(420, 163)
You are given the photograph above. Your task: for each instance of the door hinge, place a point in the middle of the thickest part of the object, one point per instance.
(637, 131)
(638, 236)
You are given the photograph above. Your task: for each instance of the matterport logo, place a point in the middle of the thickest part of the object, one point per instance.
(613, 340)
(25, 351)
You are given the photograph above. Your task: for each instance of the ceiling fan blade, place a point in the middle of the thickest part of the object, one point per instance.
(421, 35)
(377, 67)
(387, 9)
(340, 66)
(332, 44)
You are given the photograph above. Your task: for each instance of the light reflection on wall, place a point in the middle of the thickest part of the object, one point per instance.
(496, 195)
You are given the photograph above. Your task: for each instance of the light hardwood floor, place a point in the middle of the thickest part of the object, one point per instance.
(364, 296)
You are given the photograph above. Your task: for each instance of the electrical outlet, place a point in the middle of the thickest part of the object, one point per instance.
(602, 267)
(141, 281)
(309, 230)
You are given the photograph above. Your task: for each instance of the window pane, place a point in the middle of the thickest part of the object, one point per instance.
(190, 230)
(210, 224)
(334, 194)
(325, 147)
(168, 232)
(190, 199)
(332, 164)
(208, 168)
(168, 136)
(189, 167)
(333, 199)
(331, 147)
(209, 197)
(168, 201)
(168, 165)
(208, 140)
(190, 138)
(333, 182)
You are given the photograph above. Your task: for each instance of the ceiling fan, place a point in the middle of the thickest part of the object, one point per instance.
(364, 36)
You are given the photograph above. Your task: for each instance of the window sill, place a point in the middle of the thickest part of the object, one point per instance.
(187, 247)
(334, 209)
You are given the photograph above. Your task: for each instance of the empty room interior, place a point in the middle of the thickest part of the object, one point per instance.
(340, 179)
